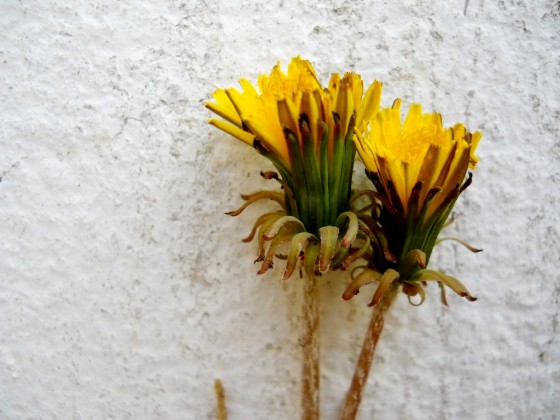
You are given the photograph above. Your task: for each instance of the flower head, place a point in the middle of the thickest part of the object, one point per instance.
(399, 155)
(305, 130)
(418, 168)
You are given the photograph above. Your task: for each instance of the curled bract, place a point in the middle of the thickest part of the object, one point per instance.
(412, 278)
(333, 247)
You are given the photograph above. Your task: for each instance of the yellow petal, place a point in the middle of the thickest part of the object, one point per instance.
(418, 149)
(370, 104)
(344, 104)
(224, 108)
(233, 130)
(310, 107)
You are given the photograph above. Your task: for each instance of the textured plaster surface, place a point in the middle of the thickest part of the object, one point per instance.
(125, 290)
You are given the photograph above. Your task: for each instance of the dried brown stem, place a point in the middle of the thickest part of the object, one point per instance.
(220, 400)
(310, 344)
(359, 380)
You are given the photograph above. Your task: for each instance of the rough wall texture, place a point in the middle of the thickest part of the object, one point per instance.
(124, 290)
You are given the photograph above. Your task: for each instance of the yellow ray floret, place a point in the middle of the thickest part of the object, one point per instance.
(419, 149)
(264, 114)
(233, 130)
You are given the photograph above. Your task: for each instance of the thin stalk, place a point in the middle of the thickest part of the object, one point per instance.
(310, 344)
(359, 380)
(221, 400)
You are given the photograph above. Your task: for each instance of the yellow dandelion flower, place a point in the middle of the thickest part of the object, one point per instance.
(419, 169)
(399, 155)
(306, 130)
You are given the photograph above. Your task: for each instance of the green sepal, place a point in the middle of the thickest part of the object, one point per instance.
(337, 158)
(260, 237)
(285, 221)
(347, 169)
(325, 174)
(313, 177)
(260, 221)
(297, 244)
(311, 254)
(349, 237)
(299, 180)
(451, 282)
(365, 277)
(412, 261)
(276, 242)
(389, 277)
(329, 242)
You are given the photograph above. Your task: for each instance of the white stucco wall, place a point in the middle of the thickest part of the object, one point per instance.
(125, 290)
